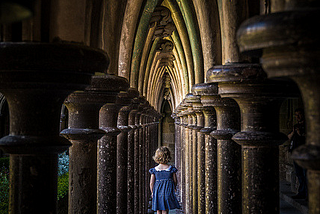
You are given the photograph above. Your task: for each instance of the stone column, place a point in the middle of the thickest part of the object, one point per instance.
(189, 153)
(142, 156)
(229, 156)
(183, 124)
(186, 178)
(293, 53)
(107, 145)
(194, 160)
(137, 142)
(130, 165)
(35, 78)
(259, 100)
(124, 99)
(147, 158)
(84, 132)
(139, 157)
(208, 93)
(200, 155)
(178, 147)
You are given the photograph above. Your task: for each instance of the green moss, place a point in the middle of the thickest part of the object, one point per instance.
(63, 185)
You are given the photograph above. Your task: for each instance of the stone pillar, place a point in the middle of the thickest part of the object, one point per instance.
(124, 99)
(147, 158)
(131, 152)
(189, 153)
(140, 159)
(259, 100)
(229, 156)
(208, 93)
(84, 132)
(137, 143)
(194, 160)
(186, 158)
(183, 125)
(107, 145)
(200, 155)
(178, 148)
(293, 53)
(142, 156)
(35, 78)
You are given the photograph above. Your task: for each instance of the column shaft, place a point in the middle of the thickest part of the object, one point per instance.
(136, 163)
(229, 157)
(183, 162)
(130, 165)
(189, 157)
(194, 169)
(201, 164)
(122, 159)
(211, 174)
(39, 183)
(187, 169)
(83, 176)
(107, 160)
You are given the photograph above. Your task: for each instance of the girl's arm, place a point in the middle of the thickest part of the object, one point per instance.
(175, 181)
(152, 180)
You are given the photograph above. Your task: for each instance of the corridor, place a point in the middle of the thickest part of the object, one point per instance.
(107, 82)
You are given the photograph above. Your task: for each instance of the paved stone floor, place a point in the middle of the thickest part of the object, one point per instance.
(286, 194)
(287, 204)
(285, 208)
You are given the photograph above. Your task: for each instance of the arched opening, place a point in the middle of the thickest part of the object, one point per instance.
(168, 129)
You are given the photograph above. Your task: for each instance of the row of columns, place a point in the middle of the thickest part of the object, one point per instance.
(118, 137)
(289, 47)
(35, 79)
(112, 130)
(233, 168)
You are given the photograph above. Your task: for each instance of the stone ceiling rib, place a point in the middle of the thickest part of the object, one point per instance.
(129, 26)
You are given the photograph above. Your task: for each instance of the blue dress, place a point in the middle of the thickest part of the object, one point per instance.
(164, 197)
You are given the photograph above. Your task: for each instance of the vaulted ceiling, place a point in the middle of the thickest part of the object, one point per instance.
(161, 51)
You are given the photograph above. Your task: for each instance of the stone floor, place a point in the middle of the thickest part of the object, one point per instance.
(300, 205)
(287, 204)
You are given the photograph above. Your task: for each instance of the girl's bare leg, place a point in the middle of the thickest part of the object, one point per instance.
(165, 211)
(159, 211)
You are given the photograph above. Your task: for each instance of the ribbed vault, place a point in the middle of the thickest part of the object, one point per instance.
(161, 53)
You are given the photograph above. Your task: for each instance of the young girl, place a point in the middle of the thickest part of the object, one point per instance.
(163, 183)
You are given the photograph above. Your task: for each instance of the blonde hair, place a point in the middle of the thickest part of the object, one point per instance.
(162, 155)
